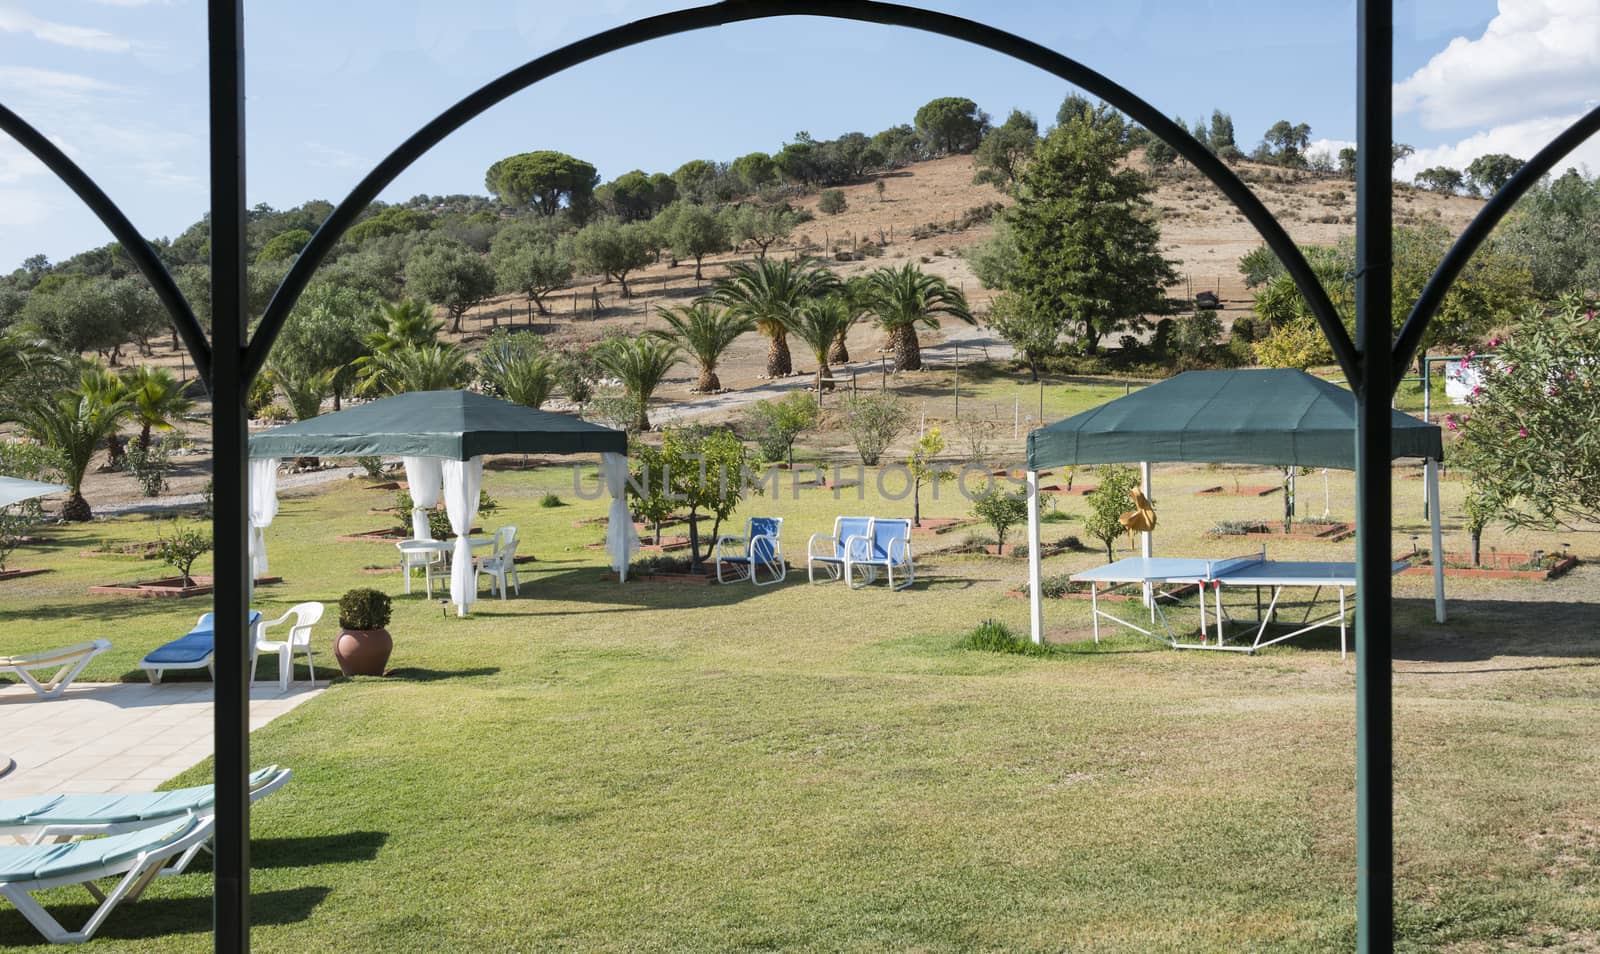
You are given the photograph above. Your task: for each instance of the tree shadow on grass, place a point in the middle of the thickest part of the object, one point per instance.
(417, 674)
(344, 848)
(1482, 630)
(162, 917)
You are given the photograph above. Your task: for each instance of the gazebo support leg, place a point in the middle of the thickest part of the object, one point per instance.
(1035, 598)
(1430, 472)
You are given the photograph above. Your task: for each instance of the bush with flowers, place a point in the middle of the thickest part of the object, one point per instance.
(1530, 437)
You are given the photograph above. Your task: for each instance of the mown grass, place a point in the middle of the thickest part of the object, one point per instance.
(652, 767)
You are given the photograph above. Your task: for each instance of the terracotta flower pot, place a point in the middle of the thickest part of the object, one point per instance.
(363, 652)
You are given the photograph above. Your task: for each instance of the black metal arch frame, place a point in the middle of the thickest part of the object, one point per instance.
(1373, 363)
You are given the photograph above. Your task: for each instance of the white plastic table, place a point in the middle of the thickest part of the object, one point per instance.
(426, 549)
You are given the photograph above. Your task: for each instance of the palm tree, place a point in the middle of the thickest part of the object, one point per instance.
(640, 364)
(72, 422)
(401, 323)
(434, 367)
(158, 400)
(906, 297)
(29, 364)
(517, 368)
(108, 388)
(857, 295)
(705, 331)
(819, 324)
(303, 388)
(397, 325)
(767, 292)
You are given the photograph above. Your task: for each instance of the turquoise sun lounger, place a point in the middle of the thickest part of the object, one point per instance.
(134, 858)
(38, 817)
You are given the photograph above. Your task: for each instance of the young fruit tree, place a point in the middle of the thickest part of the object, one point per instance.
(1529, 435)
(925, 471)
(1107, 503)
(700, 470)
(1002, 510)
(182, 547)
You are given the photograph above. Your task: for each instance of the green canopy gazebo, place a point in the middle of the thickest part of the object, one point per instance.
(1271, 416)
(442, 437)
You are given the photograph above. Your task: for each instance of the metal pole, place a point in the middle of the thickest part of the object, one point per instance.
(230, 602)
(958, 383)
(1374, 390)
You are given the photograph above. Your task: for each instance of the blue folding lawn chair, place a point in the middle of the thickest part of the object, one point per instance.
(758, 552)
(888, 548)
(829, 552)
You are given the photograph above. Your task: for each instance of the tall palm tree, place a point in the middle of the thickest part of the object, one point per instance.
(906, 297)
(857, 295)
(29, 365)
(767, 292)
(705, 331)
(434, 367)
(72, 422)
(518, 368)
(158, 400)
(819, 323)
(641, 364)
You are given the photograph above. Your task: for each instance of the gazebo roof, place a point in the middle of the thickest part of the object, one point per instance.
(457, 425)
(1274, 416)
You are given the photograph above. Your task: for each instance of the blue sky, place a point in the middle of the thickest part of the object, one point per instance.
(120, 84)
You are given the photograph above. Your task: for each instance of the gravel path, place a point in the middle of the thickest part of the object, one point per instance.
(180, 501)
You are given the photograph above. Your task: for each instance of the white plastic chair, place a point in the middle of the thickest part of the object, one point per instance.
(424, 553)
(502, 563)
(305, 615)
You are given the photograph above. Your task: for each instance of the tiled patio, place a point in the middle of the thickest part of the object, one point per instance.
(116, 737)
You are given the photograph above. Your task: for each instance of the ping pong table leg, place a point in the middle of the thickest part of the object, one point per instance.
(1342, 621)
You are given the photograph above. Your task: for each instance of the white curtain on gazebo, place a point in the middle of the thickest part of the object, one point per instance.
(423, 476)
(622, 541)
(263, 507)
(463, 479)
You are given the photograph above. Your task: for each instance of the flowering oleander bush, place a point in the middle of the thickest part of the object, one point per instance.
(1530, 437)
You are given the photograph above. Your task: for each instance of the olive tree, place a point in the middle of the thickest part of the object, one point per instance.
(450, 275)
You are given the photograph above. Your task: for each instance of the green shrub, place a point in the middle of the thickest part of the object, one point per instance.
(551, 500)
(832, 201)
(486, 503)
(149, 466)
(873, 421)
(372, 465)
(1002, 510)
(993, 636)
(364, 608)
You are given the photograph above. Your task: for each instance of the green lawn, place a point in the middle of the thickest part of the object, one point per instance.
(647, 767)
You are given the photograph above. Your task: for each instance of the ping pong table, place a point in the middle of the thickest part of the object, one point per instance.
(1252, 570)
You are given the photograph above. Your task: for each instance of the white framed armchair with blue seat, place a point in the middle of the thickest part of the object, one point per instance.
(756, 556)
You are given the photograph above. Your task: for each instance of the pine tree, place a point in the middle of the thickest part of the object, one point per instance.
(1088, 243)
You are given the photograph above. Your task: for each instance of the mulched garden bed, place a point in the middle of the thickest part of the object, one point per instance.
(1243, 490)
(933, 526)
(386, 535)
(647, 544)
(168, 587)
(1332, 532)
(19, 573)
(144, 551)
(1492, 566)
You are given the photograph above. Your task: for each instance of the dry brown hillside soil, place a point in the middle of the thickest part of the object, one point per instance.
(913, 221)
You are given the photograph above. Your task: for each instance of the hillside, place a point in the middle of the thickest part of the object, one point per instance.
(919, 202)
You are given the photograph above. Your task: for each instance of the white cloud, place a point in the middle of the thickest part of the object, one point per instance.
(332, 157)
(1521, 139)
(17, 20)
(52, 84)
(1535, 56)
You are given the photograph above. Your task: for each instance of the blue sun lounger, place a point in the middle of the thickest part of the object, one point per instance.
(195, 649)
(135, 858)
